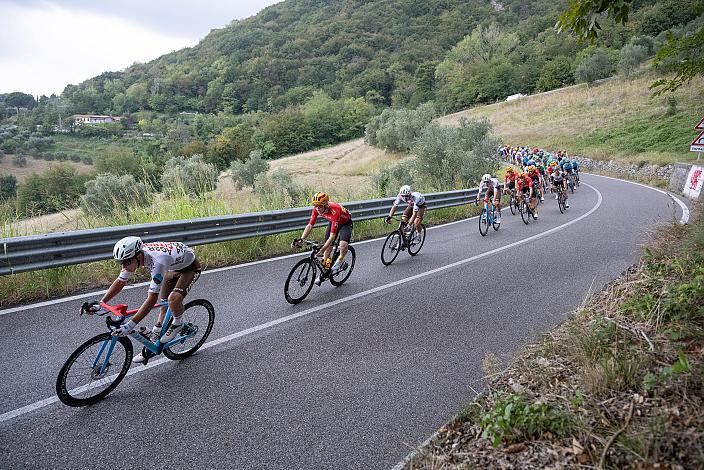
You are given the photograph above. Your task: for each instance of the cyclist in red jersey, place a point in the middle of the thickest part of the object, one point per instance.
(524, 186)
(340, 222)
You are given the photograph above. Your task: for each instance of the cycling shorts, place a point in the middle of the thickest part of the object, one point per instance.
(181, 281)
(408, 212)
(344, 232)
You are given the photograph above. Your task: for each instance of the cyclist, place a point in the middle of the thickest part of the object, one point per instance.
(510, 179)
(567, 167)
(536, 177)
(493, 190)
(558, 178)
(340, 223)
(415, 209)
(173, 269)
(575, 168)
(524, 187)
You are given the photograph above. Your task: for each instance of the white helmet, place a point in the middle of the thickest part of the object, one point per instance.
(405, 190)
(127, 248)
(486, 177)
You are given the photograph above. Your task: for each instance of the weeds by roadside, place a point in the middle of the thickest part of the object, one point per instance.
(618, 385)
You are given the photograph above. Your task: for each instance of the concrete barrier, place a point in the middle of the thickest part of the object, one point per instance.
(687, 179)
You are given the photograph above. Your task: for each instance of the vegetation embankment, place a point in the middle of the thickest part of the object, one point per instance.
(444, 158)
(620, 384)
(618, 119)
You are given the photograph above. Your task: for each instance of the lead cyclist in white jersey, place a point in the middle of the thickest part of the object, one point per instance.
(173, 269)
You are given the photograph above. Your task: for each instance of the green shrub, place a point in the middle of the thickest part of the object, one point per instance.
(277, 190)
(390, 178)
(594, 68)
(19, 161)
(396, 130)
(630, 59)
(455, 157)
(192, 176)
(108, 193)
(244, 173)
(54, 190)
(512, 420)
(8, 187)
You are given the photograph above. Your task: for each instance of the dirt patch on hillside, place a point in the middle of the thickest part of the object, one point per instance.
(36, 166)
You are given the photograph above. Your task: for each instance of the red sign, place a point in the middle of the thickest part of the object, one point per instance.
(700, 125)
(698, 143)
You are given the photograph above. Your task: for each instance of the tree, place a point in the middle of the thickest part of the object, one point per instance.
(594, 68)
(556, 74)
(582, 17)
(8, 187)
(631, 58)
(108, 194)
(191, 176)
(245, 173)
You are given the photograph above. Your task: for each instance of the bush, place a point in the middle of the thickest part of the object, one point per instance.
(556, 74)
(87, 159)
(54, 190)
(244, 173)
(19, 161)
(277, 190)
(455, 157)
(395, 130)
(390, 178)
(108, 193)
(8, 187)
(594, 68)
(631, 57)
(192, 176)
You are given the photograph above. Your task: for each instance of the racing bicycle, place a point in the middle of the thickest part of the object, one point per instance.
(302, 276)
(401, 239)
(487, 218)
(98, 366)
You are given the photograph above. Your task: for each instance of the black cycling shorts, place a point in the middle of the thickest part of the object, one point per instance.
(344, 232)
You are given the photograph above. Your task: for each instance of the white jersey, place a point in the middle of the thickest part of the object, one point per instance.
(160, 258)
(491, 184)
(417, 199)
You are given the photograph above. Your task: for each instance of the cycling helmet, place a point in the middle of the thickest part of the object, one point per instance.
(320, 199)
(509, 169)
(127, 248)
(530, 169)
(405, 190)
(553, 163)
(486, 177)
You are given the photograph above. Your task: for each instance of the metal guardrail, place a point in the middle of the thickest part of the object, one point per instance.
(52, 250)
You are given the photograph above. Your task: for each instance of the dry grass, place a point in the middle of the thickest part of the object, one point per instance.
(35, 165)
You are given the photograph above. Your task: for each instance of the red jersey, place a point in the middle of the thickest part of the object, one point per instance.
(336, 214)
(525, 182)
(510, 177)
(535, 175)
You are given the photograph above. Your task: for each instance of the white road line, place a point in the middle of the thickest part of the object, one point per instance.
(48, 401)
(209, 271)
(685, 210)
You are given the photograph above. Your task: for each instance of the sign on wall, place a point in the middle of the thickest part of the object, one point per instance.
(693, 183)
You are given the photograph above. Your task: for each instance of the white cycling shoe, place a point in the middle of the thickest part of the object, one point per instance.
(140, 359)
(171, 333)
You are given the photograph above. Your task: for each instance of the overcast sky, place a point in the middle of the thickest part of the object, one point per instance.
(45, 45)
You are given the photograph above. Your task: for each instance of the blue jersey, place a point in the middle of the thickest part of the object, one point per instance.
(567, 165)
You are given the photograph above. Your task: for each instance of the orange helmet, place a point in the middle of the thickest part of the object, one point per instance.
(509, 169)
(320, 199)
(531, 169)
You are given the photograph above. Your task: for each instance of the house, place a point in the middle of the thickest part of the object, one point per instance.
(94, 119)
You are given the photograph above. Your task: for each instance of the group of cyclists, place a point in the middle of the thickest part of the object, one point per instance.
(174, 267)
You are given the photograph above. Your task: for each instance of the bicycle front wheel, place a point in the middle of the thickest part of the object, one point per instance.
(198, 319)
(391, 248)
(341, 275)
(496, 223)
(415, 246)
(300, 281)
(525, 212)
(512, 204)
(94, 370)
(483, 223)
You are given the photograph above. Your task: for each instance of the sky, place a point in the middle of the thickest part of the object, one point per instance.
(48, 44)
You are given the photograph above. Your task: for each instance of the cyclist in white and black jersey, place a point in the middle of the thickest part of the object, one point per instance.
(173, 269)
(415, 209)
(493, 191)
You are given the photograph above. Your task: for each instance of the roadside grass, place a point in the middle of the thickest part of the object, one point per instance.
(55, 282)
(618, 119)
(620, 384)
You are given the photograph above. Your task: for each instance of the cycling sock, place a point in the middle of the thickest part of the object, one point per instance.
(341, 257)
(177, 320)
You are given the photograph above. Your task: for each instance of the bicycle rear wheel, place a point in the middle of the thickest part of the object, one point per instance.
(483, 223)
(512, 204)
(299, 281)
(339, 277)
(561, 202)
(83, 381)
(391, 248)
(198, 319)
(496, 223)
(415, 246)
(525, 212)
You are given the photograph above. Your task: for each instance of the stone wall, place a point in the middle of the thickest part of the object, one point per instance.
(628, 170)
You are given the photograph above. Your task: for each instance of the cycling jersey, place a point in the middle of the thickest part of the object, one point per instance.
(160, 258)
(489, 185)
(417, 200)
(336, 214)
(524, 184)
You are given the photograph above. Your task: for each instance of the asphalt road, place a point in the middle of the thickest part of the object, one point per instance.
(355, 384)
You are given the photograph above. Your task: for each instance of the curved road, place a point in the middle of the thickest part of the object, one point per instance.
(351, 377)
